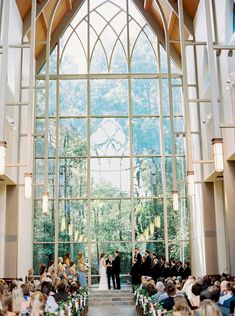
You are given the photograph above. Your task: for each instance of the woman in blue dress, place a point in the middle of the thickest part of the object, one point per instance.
(81, 271)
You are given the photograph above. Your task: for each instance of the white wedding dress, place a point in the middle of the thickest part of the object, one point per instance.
(103, 285)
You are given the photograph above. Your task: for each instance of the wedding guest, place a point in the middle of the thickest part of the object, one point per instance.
(208, 308)
(187, 270)
(160, 290)
(181, 307)
(173, 268)
(72, 272)
(148, 261)
(51, 305)
(180, 270)
(167, 270)
(61, 271)
(61, 294)
(42, 272)
(169, 302)
(30, 276)
(37, 303)
(81, 271)
(7, 305)
(67, 260)
(162, 265)
(17, 300)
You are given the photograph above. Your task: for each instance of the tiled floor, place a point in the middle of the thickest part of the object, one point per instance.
(112, 311)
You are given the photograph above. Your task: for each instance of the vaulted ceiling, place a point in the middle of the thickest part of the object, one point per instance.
(68, 8)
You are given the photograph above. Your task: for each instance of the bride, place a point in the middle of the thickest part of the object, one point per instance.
(103, 285)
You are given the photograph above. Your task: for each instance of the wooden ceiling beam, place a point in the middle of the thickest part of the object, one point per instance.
(27, 20)
(188, 23)
(70, 5)
(61, 28)
(158, 31)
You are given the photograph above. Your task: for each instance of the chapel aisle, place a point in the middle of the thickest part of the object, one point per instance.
(112, 310)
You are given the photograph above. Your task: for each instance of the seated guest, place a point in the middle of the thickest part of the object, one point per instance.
(169, 302)
(223, 288)
(51, 305)
(151, 288)
(17, 300)
(26, 300)
(160, 291)
(61, 294)
(37, 303)
(188, 285)
(227, 302)
(165, 295)
(194, 295)
(73, 289)
(7, 305)
(227, 293)
(181, 307)
(208, 308)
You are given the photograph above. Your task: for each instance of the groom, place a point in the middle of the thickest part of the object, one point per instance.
(116, 269)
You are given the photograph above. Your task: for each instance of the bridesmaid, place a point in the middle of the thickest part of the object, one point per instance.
(81, 271)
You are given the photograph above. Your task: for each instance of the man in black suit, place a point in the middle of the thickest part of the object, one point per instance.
(138, 256)
(109, 271)
(187, 270)
(180, 270)
(116, 269)
(148, 262)
(173, 268)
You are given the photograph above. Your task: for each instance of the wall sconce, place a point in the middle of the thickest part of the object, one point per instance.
(28, 185)
(230, 53)
(3, 146)
(45, 202)
(175, 199)
(190, 181)
(218, 153)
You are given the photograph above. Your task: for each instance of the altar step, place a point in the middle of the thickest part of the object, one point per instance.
(111, 297)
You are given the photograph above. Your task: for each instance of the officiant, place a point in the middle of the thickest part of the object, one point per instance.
(109, 270)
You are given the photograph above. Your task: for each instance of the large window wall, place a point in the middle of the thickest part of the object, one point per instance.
(114, 115)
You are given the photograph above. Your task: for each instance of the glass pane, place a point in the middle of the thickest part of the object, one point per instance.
(74, 250)
(149, 220)
(165, 96)
(73, 135)
(144, 96)
(39, 129)
(169, 179)
(147, 177)
(143, 55)
(53, 63)
(177, 100)
(157, 247)
(39, 174)
(167, 135)
(73, 177)
(110, 177)
(108, 249)
(40, 97)
(73, 221)
(73, 97)
(180, 144)
(73, 58)
(111, 220)
(109, 97)
(146, 136)
(44, 228)
(42, 253)
(109, 136)
(179, 251)
(180, 168)
(163, 60)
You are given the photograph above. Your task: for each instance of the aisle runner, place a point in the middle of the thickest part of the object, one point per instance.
(112, 310)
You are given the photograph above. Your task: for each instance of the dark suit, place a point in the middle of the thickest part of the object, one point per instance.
(180, 271)
(135, 274)
(116, 270)
(174, 270)
(139, 258)
(110, 274)
(155, 272)
(187, 272)
(148, 262)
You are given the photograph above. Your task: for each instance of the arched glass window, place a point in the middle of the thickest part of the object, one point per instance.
(110, 153)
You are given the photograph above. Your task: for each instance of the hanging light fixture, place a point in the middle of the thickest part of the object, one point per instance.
(76, 235)
(70, 229)
(63, 224)
(45, 202)
(157, 221)
(190, 181)
(28, 185)
(3, 146)
(175, 199)
(218, 154)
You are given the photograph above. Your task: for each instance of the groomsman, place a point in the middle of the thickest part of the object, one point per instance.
(116, 269)
(138, 256)
(109, 271)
